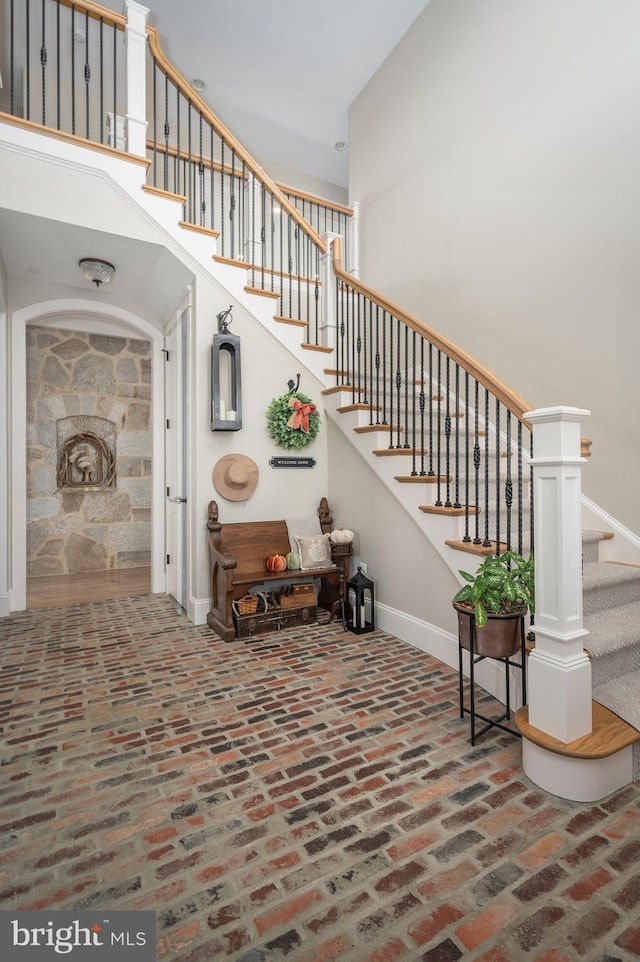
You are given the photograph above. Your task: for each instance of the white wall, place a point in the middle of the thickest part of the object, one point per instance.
(5, 532)
(495, 157)
(409, 575)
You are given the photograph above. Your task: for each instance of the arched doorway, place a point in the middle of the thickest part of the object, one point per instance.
(81, 321)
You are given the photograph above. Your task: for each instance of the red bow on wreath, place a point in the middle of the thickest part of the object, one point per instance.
(300, 417)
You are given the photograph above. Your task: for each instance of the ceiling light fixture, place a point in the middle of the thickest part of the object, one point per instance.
(341, 145)
(198, 84)
(96, 270)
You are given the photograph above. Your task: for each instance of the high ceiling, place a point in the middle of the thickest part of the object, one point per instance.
(282, 73)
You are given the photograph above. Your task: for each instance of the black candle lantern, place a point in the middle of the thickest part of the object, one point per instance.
(226, 383)
(361, 603)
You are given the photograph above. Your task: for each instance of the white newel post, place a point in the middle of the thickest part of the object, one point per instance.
(559, 671)
(136, 40)
(328, 299)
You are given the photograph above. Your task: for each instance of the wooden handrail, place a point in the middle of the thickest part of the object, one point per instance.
(195, 159)
(97, 11)
(506, 395)
(320, 201)
(225, 133)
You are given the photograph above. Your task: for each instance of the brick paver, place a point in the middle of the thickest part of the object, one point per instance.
(309, 795)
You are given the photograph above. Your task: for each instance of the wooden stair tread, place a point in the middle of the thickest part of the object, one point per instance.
(261, 292)
(341, 387)
(444, 510)
(610, 734)
(232, 262)
(316, 347)
(369, 428)
(423, 478)
(480, 550)
(207, 231)
(393, 452)
(289, 320)
(356, 406)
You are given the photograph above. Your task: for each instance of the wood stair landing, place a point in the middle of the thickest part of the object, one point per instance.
(610, 734)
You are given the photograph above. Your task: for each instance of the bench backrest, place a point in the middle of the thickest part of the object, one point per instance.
(253, 541)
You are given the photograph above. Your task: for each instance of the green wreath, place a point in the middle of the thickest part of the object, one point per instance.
(293, 421)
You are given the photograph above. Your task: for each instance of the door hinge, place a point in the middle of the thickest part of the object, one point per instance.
(167, 424)
(166, 353)
(168, 559)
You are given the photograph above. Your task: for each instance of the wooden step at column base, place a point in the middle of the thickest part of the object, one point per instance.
(586, 769)
(609, 735)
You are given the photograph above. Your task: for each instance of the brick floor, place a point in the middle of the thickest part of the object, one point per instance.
(309, 795)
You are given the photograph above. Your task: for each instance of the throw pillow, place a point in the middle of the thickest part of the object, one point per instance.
(315, 552)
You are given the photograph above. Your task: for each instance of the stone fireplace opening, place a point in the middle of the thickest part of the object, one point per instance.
(89, 445)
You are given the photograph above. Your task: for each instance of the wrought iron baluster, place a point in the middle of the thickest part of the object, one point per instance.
(423, 400)
(497, 485)
(212, 180)
(28, 61)
(439, 426)
(458, 412)
(508, 484)
(431, 398)
(101, 105)
(447, 433)
(467, 463)
(476, 464)
(408, 391)
(384, 368)
(179, 165)
(58, 91)
(167, 132)
(154, 122)
(317, 293)
(43, 65)
(357, 343)
(377, 362)
(87, 74)
(414, 390)
(392, 368)
(232, 205)
(487, 540)
(114, 33)
(12, 40)
(398, 381)
(223, 217)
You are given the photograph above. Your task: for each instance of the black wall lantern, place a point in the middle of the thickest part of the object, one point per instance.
(226, 383)
(361, 603)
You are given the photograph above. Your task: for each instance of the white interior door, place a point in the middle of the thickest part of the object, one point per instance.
(176, 464)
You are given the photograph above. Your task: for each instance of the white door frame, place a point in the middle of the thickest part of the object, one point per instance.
(82, 315)
(177, 483)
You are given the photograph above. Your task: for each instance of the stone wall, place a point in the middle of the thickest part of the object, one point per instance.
(78, 375)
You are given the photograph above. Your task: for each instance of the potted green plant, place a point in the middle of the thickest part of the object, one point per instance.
(495, 598)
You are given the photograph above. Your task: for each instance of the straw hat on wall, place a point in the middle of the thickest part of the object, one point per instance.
(235, 477)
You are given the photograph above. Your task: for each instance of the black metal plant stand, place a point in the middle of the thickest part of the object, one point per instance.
(474, 659)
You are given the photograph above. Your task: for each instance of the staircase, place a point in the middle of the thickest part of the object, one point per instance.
(447, 439)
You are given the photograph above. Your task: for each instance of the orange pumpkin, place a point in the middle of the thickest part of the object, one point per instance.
(276, 562)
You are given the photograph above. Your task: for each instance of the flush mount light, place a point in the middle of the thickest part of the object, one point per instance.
(341, 145)
(198, 84)
(96, 270)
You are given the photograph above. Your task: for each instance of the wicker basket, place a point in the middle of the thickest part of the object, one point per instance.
(248, 605)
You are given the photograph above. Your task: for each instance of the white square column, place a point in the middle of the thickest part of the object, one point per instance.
(559, 671)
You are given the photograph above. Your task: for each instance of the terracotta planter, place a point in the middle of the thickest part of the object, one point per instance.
(499, 638)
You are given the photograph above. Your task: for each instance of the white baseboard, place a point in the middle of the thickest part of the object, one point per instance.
(443, 645)
(624, 547)
(5, 604)
(198, 609)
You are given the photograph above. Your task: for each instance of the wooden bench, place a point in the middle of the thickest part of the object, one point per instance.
(237, 561)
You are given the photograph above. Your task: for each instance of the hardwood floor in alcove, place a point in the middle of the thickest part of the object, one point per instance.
(87, 586)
